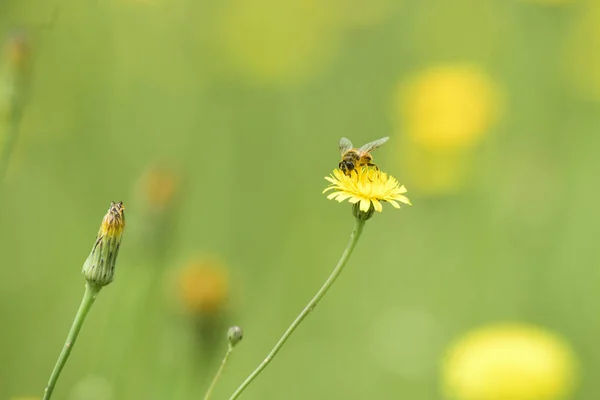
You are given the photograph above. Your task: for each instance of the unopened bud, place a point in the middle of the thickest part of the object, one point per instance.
(99, 268)
(234, 335)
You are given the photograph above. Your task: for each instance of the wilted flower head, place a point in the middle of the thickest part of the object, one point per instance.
(509, 362)
(99, 268)
(204, 286)
(367, 188)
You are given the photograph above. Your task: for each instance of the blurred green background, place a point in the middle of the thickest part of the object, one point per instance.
(215, 123)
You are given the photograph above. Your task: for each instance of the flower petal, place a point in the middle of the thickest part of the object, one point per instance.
(394, 203)
(365, 205)
(403, 199)
(377, 205)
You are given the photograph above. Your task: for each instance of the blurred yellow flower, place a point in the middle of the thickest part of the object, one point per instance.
(366, 186)
(274, 41)
(509, 362)
(583, 57)
(17, 51)
(448, 106)
(158, 186)
(204, 286)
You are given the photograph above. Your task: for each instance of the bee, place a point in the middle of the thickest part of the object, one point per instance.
(353, 158)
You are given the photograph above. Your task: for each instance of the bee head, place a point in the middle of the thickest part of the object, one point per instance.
(346, 165)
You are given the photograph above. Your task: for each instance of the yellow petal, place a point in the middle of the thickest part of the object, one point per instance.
(403, 199)
(344, 196)
(377, 205)
(394, 203)
(365, 205)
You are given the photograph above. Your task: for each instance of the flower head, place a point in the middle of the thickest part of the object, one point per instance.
(448, 106)
(159, 187)
(509, 362)
(17, 50)
(204, 286)
(113, 222)
(366, 187)
(99, 268)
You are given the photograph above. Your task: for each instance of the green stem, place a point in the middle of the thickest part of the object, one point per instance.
(219, 372)
(91, 291)
(9, 143)
(358, 227)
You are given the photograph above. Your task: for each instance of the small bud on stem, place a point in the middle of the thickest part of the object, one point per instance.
(234, 335)
(99, 268)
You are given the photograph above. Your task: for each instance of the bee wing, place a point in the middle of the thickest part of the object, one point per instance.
(374, 144)
(345, 145)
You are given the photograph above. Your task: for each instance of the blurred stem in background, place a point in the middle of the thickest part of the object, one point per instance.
(15, 79)
(98, 270)
(358, 227)
(14, 87)
(156, 199)
(234, 336)
(8, 142)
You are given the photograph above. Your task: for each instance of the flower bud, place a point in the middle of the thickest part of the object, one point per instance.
(234, 335)
(99, 268)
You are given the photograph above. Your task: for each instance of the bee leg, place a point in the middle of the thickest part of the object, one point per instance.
(373, 166)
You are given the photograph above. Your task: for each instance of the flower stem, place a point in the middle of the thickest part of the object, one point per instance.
(219, 372)
(91, 291)
(9, 143)
(358, 227)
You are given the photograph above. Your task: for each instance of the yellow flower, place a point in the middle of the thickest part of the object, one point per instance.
(366, 186)
(509, 362)
(159, 186)
(17, 50)
(448, 106)
(204, 286)
(113, 222)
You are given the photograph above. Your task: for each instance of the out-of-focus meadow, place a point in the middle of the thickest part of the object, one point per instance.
(215, 123)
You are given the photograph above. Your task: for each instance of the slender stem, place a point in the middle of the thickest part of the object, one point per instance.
(219, 372)
(9, 143)
(358, 227)
(91, 291)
